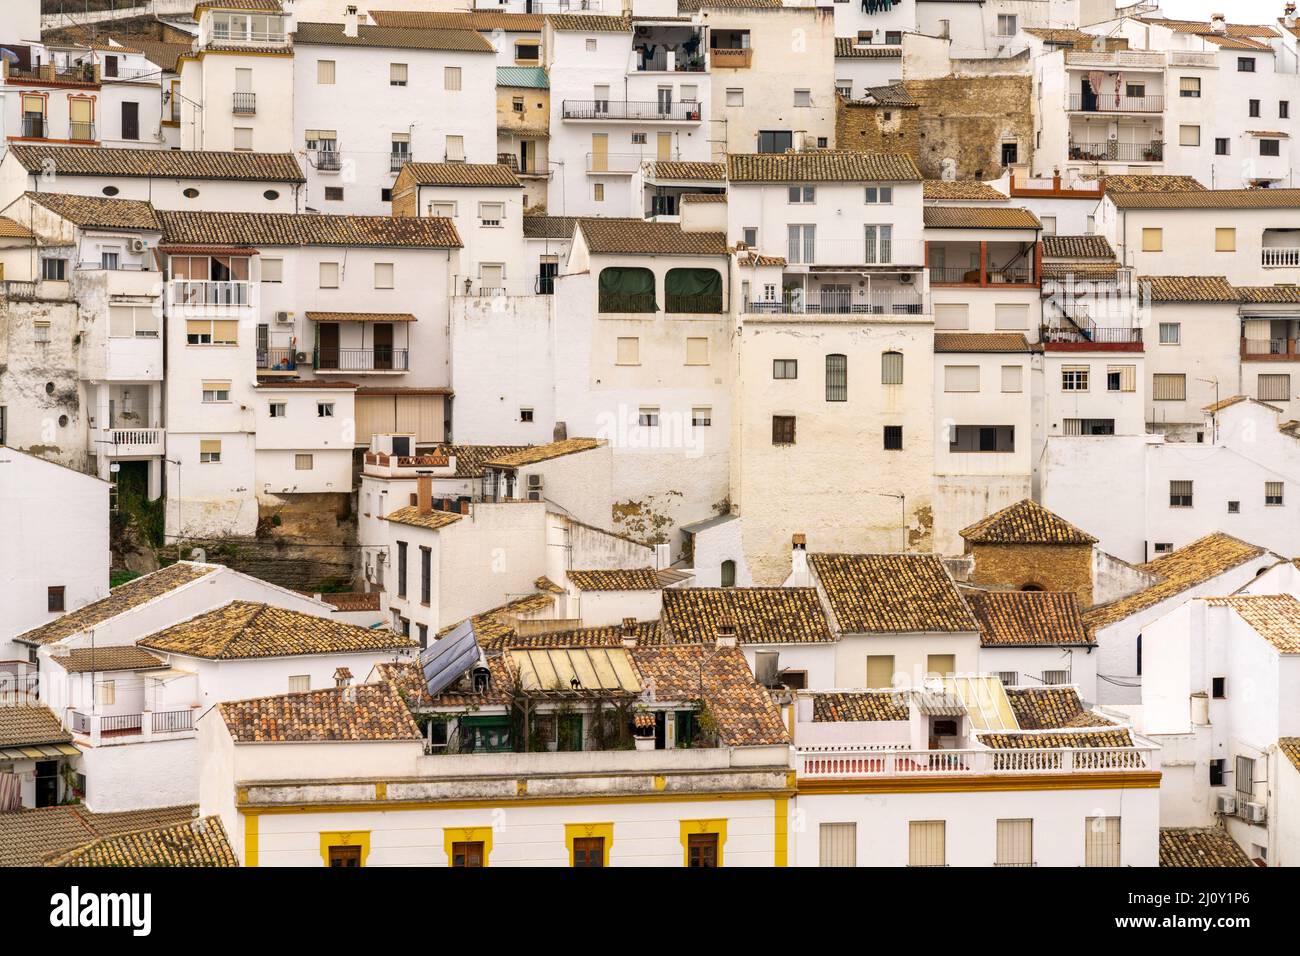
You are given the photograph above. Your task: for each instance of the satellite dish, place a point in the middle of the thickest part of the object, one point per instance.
(448, 659)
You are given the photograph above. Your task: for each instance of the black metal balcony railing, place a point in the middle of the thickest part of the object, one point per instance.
(1125, 152)
(1110, 103)
(627, 302)
(703, 304)
(277, 360)
(630, 110)
(397, 160)
(379, 358)
(171, 721)
(81, 132)
(34, 127)
(328, 159)
(955, 274)
(120, 723)
(966, 275)
(1090, 333)
(245, 103)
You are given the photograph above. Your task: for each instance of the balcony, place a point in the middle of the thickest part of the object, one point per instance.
(81, 132)
(902, 302)
(1280, 257)
(35, 127)
(397, 160)
(1115, 59)
(402, 466)
(854, 252)
(378, 358)
(721, 59)
(245, 103)
(957, 275)
(622, 110)
(16, 291)
(328, 160)
(196, 293)
(1270, 350)
(107, 729)
(1153, 152)
(132, 442)
(1087, 337)
(274, 360)
(866, 761)
(1113, 103)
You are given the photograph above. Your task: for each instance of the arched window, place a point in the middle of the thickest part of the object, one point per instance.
(837, 378)
(728, 574)
(693, 290)
(891, 368)
(1032, 587)
(625, 289)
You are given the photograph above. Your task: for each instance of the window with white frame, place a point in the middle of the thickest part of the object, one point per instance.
(1074, 378)
(628, 351)
(1007, 24)
(210, 451)
(648, 416)
(879, 195)
(961, 378)
(1013, 378)
(697, 350)
(383, 275)
(925, 843)
(455, 149)
(397, 74)
(216, 392)
(1170, 333)
(451, 78)
(1180, 494)
(272, 270)
(329, 275)
(701, 416)
(803, 97)
(1169, 387)
(278, 410)
(801, 195)
(300, 683)
(491, 214)
(325, 72)
(302, 462)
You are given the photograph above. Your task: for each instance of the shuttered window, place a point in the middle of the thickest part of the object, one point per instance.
(1180, 494)
(880, 670)
(782, 429)
(209, 451)
(891, 368)
(1225, 240)
(629, 351)
(1121, 378)
(1013, 378)
(1153, 240)
(1169, 388)
(941, 664)
(1015, 843)
(961, 378)
(925, 843)
(1014, 316)
(952, 316)
(329, 275)
(1274, 388)
(1101, 842)
(837, 378)
(839, 844)
(325, 72)
(1189, 86)
(302, 462)
(697, 351)
(1273, 492)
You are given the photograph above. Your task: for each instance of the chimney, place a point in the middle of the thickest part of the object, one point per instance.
(628, 632)
(350, 22)
(799, 562)
(663, 556)
(424, 493)
(560, 432)
(342, 677)
(1218, 23)
(1288, 15)
(726, 630)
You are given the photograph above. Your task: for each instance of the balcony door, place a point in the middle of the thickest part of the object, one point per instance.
(599, 152)
(383, 344)
(328, 345)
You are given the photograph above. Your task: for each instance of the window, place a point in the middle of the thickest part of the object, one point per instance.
(216, 392)
(1015, 843)
(1270, 147)
(490, 214)
(277, 409)
(844, 88)
(383, 275)
(455, 149)
(1153, 239)
(526, 53)
(802, 194)
(697, 351)
(210, 451)
(879, 195)
(1180, 494)
(302, 462)
(1220, 146)
(41, 332)
(1253, 109)
(300, 683)
(702, 850)
(891, 368)
(893, 438)
(628, 351)
(1074, 378)
(54, 599)
(451, 78)
(106, 692)
(750, 236)
(774, 141)
(426, 576)
(1014, 317)
(782, 429)
(1245, 64)
(785, 368)
(1189, 135)
(598, 192)
(401, 569)
(838, 844)
(334, 193)
(728, 573)
(1168, 388)
(735, 97)
(1283, 109)
(949, 316)
(801, 243)
(243, 138)
(648, 416)
(1273, 388)
(941, 664)
(1121, 378)
(803, 97)
(1273, 492)
(1170, 333)
(837, 378)
(701, 417)
(981, 438)
(879, 248)
(1013, 378)
(54, 270)
(1218, 687)
(397, 74)
(1010, 154)
(272, 270)
(1101, 841)
(925, 843)
(1049, 225)
(1189, 86)
(329, 275)
(961, 378)
(324, 409)
(591, 45)
(443, 210)
(1087, 426)
(589, 851)
(1244, 779)
(1218, 767)
(1006, 24)
(325, 72)
(880, 670)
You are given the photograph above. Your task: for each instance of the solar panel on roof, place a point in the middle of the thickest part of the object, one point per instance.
(447, 660)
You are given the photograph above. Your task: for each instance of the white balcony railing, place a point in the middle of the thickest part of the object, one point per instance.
(855, 252)
(840, 761)
(1115, 59)
(107, 729)
(128, 442)
(1280, 256)
(194, 292)
(1207, 61)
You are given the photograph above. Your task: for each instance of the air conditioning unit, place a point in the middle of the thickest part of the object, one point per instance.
(1227, 803)
(284, 318)
(139, 245)
(907, 278)
(535, 487)
(300, 357)
(1253, 812)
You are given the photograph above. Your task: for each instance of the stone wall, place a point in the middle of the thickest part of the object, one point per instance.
(1046, 567)
(962, 122)
(862, 126)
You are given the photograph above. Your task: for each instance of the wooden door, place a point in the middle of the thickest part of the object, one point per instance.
(327, 345)
(383, 345)
(345, 856)
(589, 851)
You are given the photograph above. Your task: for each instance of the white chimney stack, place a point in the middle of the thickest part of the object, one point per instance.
(628, 632)
(726, 630)
(350, 22)
(1218, 23)
(799, 562)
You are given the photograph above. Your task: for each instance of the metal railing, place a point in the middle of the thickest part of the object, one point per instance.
(244, 103)
(378, 358)
(1107, 102)
(700, 304)
(841, 303)
(963, 275)
(277, 359)
(1153, 152)
(630, 110)
(627, 302)
(1270, 346)
(1280, 256)
(195, 292)
(840, 761)
(397, 160)
(34, 127)
(81, 132)
(1091, 333)
(172, 721)
(855, 252)
(121, 724)
(330, 160)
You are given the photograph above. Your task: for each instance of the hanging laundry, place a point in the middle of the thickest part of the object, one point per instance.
(1095, 79)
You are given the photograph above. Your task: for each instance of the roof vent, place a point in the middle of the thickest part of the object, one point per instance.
(628, 632)
(726, 630)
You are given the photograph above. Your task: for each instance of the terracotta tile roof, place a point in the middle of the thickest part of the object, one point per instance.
(848, 47)
(159, 163)
(608, 635)
(1077, 247)
(1192, 564)
(1203, 27)
(482, 20)
(675, 169)
(429, 520)
(1186, 289)
(307, 229)
(1025, 522)
(1051, 35)
(635, 237)
(891, 593)
(408, 681)
(196, 843)
(1027, 618)
(495, 627)
(1261, 294)
(244, 629)
(753, 259)
(895, 94)
(9, 229)
(1236, 43)
(968, 189)
(353, 600)
(694, 6)
(404, 38)
(549, 227)
(119, 600)
(760, 615)
(271, 6)
(860, 705)
(100, 212)
(615, 579)
(1209, 199)
(123, 658)
(1235, 400)
(360, 317)
(1083, 738)
(461, 174)
(1136, 183)
(982, 342)
(535, 454)
(1290, 747)
(470, 459)
(1275, 617)
(703, 197)
(1081, 271)
(27, 837)
(589, 23)
(979, 217)
(1051, 708)
(358, 712)
(1200, 846)
(823, 166)
(720, 679)
(322, 385)
(160, 52)
(24, 725)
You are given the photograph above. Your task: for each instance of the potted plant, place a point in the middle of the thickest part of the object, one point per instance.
(643, 730)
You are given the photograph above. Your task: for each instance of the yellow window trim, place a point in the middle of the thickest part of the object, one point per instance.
(690, 828)
(359, 838)
(251, 834)
(453, 835)
(583, 831)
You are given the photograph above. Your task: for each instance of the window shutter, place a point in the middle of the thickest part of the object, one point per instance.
(891, 368)
(1127, 376)
(952, 316)
(839, 844)
(697, 351)
(961, 378)
(926, 843)
(1012, 378)
(225, 330)
(1274, 388)
(1013, 316)
(1015, 843)
(1169, 388)
(209, 446)
(629, 351)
